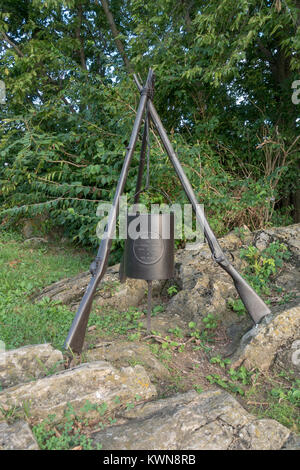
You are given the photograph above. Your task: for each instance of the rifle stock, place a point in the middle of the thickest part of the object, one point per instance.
(76, 334)
(255, 306)
(253, 303)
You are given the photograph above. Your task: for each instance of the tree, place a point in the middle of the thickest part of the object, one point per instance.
(224, 72)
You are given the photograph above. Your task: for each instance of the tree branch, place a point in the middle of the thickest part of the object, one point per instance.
(79, 38)
(11, 43)
(115, 34)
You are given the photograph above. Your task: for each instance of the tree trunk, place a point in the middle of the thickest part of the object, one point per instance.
(79, 37)
(115, 34)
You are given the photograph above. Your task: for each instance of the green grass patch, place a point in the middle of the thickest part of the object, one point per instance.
(23, 270)
(276, 397)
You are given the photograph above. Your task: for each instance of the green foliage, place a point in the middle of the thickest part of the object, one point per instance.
(275, 397)
(115, 323)
(218, 360)
(206, 334)
(210, 321)
(237, 306)
(292, 395)
(70, 108)
(283, 399)
(177, 332)
(157, 309)
(262, 266)
(261, 270)
(67, 434)
(172, 290)
(225, 383)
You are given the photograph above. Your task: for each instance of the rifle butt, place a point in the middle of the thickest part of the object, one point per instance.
(76, 335)
(255, 306)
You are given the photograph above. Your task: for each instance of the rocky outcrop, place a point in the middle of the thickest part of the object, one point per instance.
(124, 353)
(268, 339)
(213, 420)
(96, 382)
(203, 287)
(17, 436)
(206, 288)
(288, 357)
(28, 363)
(110, 293)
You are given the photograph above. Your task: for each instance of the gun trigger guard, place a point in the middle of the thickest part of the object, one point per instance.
(222, 260)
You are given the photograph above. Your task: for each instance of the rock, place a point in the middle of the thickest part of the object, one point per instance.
(289, 235)
(292, 443)
(97, 382)
(110, 292)
(207, 296)
(262, 240)
(268, 338)
(125, 353)
(17, 436)
(35, 241)
(28, 363)
(34, 226)
(288, 357)
(213, 420)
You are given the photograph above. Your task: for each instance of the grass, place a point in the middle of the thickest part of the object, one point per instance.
(275, 396)
(24, 270)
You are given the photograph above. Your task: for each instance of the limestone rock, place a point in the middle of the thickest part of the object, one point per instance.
(17, 436)
(288, 357)
(110, 292)
(268, 338)
(213, 420)
(28, 363)
(97, 382)
(292, 443)
(207, 296)
(289, 235)
(262, 240)
(124, 353)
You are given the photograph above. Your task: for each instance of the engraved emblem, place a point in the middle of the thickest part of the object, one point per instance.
(148, 250)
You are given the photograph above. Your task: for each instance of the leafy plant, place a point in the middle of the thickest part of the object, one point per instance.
(172, 290)
(261, 270)
(68, 434)
(210, 321)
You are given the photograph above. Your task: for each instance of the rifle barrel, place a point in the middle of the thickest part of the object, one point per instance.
(77, 331)
(253, 303)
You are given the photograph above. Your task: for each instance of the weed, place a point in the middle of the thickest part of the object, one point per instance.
(72, 432)
(172, 290)
(176, 332)
(157, 309)
(221, 362)
(210, 322)
(261, 270)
